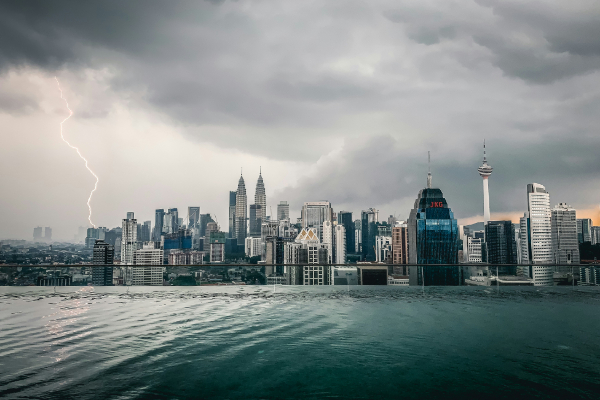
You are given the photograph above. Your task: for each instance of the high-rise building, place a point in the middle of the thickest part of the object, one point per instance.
(255, 220)
(37, 234)
(147, 231)
(501, 244)
(595, 234)
(369, 220)
(159, 215)
(538, 235)
(400, 247)
(485, 171)
(253, 247)
(103, 256)
(345, 218)
(241, 210)
(313, 253)
(584, 230)
(260, 197)
(314, 213)
(232, 196)
(383, 248)
(171, 221)
(148, 263)
(358, 236)
(472, 249)
(48, 234)
(339, 244)
(328, 240)
(565, 246)
(217, 246)
(94, 234)
(433, 239)
(193, 217)
(283, 210)
(128, 240)
(205, 219)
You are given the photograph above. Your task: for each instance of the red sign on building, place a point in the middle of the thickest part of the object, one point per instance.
(437, 204)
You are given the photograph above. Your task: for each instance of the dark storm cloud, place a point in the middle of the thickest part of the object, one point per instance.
(296, 80)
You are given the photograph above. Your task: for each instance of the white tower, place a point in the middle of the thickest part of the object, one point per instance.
(485, 171)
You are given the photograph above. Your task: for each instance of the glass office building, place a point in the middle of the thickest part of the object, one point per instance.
(433, 239)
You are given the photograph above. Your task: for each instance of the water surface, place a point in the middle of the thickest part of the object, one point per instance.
(299, 342)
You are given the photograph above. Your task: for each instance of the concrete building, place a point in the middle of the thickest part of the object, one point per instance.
(232, 199)
(538, 225)
(186, 257)
(383, 248)
(241, 210)
(283, 210)
(193, 217)
(472, 249)
(584, 230)
(344, 218)
(254, 247)
(565, 245)
(129, 241)
(339, 245)
(260, 198)
(400, 247)
(103, 258)
(148, 270)
(328, 240)
(37, 234)
(314, 213)
(256, 220)
(159, 215)
(369, 219)
(595, 234)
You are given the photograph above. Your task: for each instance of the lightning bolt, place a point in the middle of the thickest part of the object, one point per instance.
(77, 150)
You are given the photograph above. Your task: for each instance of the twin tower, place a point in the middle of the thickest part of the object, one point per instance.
(240, 209)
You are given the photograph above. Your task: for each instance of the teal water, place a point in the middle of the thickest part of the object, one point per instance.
(299, 342)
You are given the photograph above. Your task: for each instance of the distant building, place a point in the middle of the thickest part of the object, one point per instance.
(260, 198)
(256, 212)
(283, 210)
(232, 196)
(383, 248)
(37, 234)
(472, 249)
(253, 247)
(128, 240)
(193, 217)
(186, 257)
(589, 275)
(339, 245)
(595, 234)
(48, 234)
(501, 244)
(148, 269)
(584, 230)
(158, 224)
(217, 247)
(565, 246)
(433, 239)
(54, 280)
(344, 218)
(538, 227)
(314, 213)
(400, 247)
(241, 209)
(369, 220)
(103, 258)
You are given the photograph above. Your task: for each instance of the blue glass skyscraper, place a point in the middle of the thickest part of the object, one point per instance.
(433, 239)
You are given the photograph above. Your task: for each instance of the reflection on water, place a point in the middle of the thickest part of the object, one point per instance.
(299, 342)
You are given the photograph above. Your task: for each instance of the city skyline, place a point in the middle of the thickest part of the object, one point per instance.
(329, 115)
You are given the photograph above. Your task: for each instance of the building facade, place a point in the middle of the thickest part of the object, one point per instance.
(260, 197)
(314, 214)
(565, 244)
(129, 242)
(241, 210)
(584, 230)
(538, 237)
(283, 211)
(103, 258)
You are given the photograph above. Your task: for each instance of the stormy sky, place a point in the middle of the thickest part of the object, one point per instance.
(336, 100)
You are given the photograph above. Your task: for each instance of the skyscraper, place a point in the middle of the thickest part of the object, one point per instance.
(314, 213)
(283, 210)
(400, 247)
(345, 218)
(485, 171)
(501, 244)
(538, 235)
(48, 234)
(369, 220)
(103, 255)
(433, 239)
(260, 197)
(241, 210)
(339, 245)
(159, 215)
(565, 246)
(232, 196)
(37, 234)
(193, 217)
(255, 220)
(128, 240)
(584, 230)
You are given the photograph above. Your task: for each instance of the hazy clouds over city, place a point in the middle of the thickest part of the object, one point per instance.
(336, 100)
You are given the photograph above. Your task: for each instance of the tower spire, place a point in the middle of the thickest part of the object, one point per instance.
(428, 170)
(485, 170)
